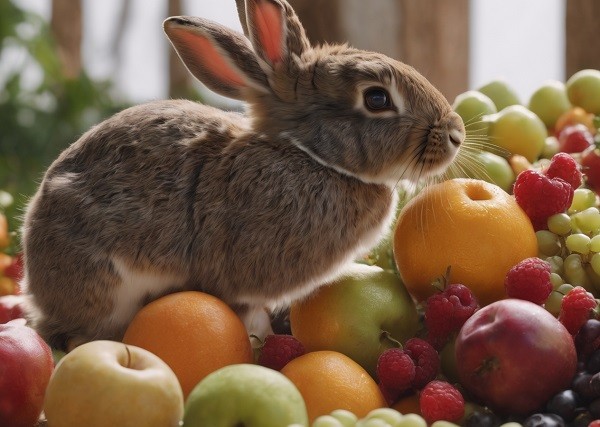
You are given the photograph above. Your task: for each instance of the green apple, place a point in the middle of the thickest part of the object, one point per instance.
(245, 395)
(500, 93)
(108, 383)
(365, 311)
(549, 102)
(518, 130)
(471, 106)
(492, 168)
(583, 89)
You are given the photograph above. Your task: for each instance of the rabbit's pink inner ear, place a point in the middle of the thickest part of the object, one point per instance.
(268, 19)
(207, 55)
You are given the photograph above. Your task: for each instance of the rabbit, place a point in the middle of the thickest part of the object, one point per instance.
(258, 208)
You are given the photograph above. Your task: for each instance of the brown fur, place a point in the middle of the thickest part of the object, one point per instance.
(258, 210)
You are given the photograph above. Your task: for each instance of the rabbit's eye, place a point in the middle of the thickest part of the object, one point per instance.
(377, 99)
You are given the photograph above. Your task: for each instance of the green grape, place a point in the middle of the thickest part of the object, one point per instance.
(556, 280)
(575, 273)
(579, 243)
(588, 220)
(556, 264)
(389, 415)
(595, 243)
(565, 289)
(444, 424)
(327, 421)
(560, 224)
(595, 263)
(347, 418)
(583, 198)
(548, 243)
(372, 422)
(512, 424)
(554, 302)
(412, 420)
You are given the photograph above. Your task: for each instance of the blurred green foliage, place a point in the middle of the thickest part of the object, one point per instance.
(41, 111)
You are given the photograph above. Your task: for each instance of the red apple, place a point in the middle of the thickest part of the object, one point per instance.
(575, 139)
(26, 365)
(590, 166)
(11, 307)
(514, 356)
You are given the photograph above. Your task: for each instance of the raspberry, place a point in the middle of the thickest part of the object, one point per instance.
(529, 280)
(541, 196)
(576, 309)
(396, 372)
(440, 400)
(447, 311)
(278, 349)
(595, 423)
(564, 166)
(426, 358)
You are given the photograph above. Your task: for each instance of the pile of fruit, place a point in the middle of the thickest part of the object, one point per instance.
(479, 309)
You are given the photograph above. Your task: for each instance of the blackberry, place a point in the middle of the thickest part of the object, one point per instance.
(564, 404)
(544, 420)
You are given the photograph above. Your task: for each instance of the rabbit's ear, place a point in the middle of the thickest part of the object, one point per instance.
(275, 31)
(220, 58)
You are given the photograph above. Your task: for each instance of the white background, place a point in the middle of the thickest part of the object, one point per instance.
(519, 41)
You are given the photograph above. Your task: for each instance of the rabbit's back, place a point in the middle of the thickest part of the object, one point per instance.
(131, 181)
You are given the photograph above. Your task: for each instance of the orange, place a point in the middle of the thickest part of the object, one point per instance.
(193, 332)
(329, 380)
(408, 404)
(471, 226)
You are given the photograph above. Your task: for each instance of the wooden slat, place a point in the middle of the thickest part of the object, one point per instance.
(582, 35)
(430, 35)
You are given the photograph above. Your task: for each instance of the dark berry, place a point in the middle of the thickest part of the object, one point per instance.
(396, 372)
(594, 408)
(563, 404)
(582, 387)
(482, 419)
(529, 280)
(587, 339)
(564, 166)
(576, 309)
(440, 400)
(426, 358)
(544, 420)
(593, 364)
(447, 311)
(541, 197)
(277, 350)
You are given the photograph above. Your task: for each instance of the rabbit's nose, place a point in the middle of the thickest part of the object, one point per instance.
(456, 129)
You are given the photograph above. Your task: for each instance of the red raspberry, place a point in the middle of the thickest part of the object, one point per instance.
(595, 423)
(278, 349)
(541, 196)
(426, 358)
(440, 400)
(529, 280)
(564, 166)
(396, 373)
(447, 311)
(576, 308)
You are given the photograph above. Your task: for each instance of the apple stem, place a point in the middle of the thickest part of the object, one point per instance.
(128, 357)
(386, 336)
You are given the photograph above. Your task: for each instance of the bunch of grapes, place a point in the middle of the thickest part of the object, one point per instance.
(571, 245)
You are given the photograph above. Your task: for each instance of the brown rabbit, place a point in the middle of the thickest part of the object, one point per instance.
(257, 209)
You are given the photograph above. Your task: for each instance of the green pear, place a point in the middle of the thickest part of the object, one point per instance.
(245, 395)
(583, 90)
(518, 130)
(368, 311)
(500, 93)
(471, 106)
(549, 102)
